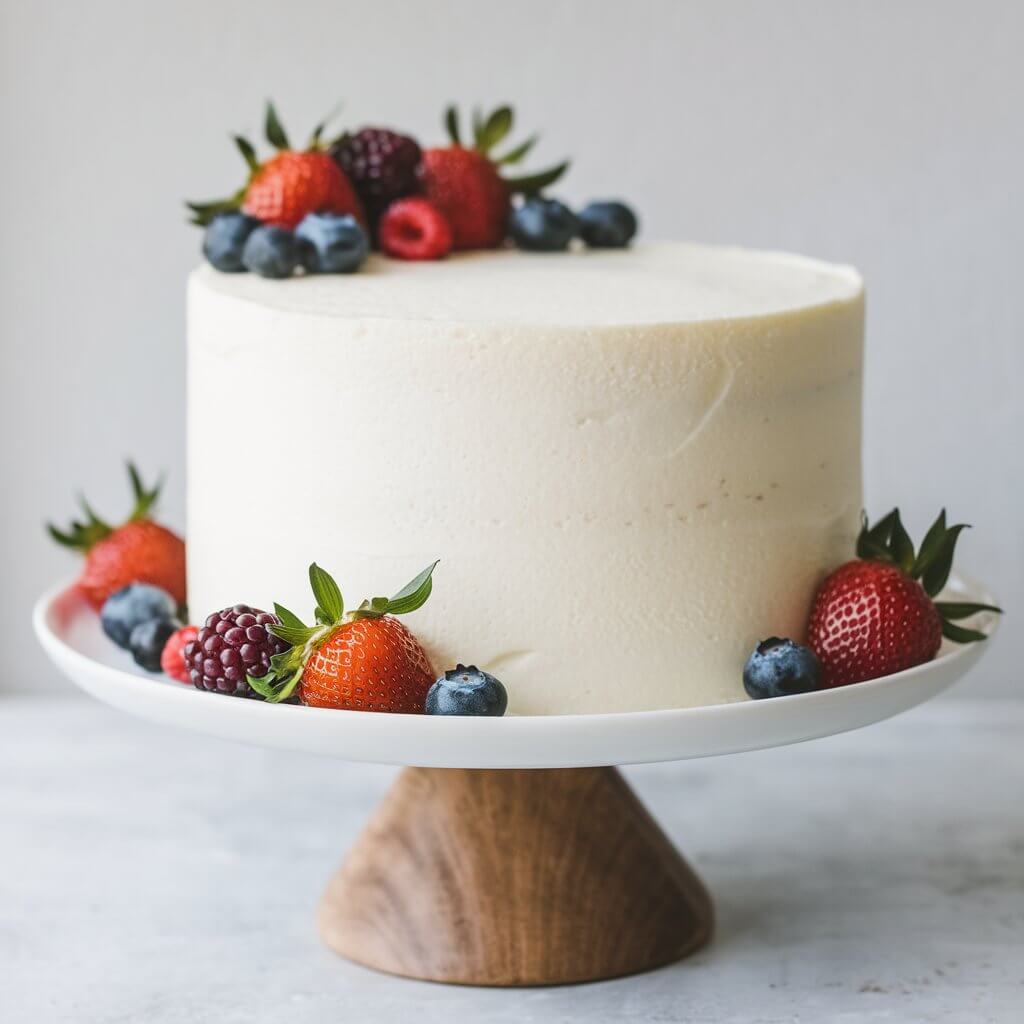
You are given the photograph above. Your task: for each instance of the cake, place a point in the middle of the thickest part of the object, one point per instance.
(632, 464)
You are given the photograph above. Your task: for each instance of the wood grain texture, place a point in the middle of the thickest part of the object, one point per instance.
(514, 878)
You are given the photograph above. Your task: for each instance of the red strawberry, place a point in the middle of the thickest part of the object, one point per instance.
(365, 660)
(172, 661)
(876, 615)
(138, 551)
(465, 185)
(413, 229)
(292, 183)
(368, 665)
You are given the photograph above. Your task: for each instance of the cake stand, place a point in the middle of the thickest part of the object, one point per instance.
(510, 853)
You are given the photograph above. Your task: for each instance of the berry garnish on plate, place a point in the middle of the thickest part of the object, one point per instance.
(172, 659)
(234, 646)
(542, 225)
(148, 640)
(380, 163)
(877, 615)
(414, 229)
(465, 183)
(138, 551)
(336, 244)
(466, 690)
(778, 667)
(607, 224)
(362, 660)
(131, 606)
(283, 189)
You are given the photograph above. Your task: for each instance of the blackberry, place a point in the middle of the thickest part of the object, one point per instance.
(381, 165)
(232, 643)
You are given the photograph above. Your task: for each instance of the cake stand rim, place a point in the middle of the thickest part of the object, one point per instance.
(515, 741)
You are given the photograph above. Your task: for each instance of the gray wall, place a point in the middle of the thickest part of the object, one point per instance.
(885, 134)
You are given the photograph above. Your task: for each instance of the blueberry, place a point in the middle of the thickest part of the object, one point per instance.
(543, 225)
(607, 225)
(225, 239)
(271, 252)
(132, 605)
(466, 690)
(148, 640)
(779, 667)
(336, 244)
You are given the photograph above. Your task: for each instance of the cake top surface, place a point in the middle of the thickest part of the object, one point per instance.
(653, 283)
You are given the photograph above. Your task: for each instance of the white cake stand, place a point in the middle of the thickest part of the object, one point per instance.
(547, 872)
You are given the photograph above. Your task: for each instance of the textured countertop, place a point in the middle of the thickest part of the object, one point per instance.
(156, 876)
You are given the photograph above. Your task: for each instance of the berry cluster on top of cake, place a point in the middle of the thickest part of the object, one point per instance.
(319, 210)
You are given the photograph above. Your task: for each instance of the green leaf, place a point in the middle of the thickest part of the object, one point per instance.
(531, 184)
(873, 541)
(245, 147)
(901, 546)
(287, 617)
(327, 594)
(318, 131)
(497, 126)
(477, 124)
(936, 572)
(145, 498)
(274, 131)
(414, 594)
(960, 635)
(297, 636)
(203, 213)
(514, 156)
(964, 609)
(451, 123)
(930, 546)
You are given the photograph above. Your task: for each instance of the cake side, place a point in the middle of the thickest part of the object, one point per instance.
(621, 508)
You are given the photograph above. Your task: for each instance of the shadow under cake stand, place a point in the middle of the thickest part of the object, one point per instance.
(511, 854)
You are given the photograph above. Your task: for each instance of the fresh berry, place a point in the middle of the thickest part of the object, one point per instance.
(543, 225)
(381, 164)
(466, 690)
(271, 252)
(778, 667)
(233, 644)
(607, 225)
(292, 183)
(876, 615)
(465, 183)
(337, 244)
(414, 229)
(148, 640)
(139, 551)
(132, 605)
(363, 660)
(225, 238)
(172, 660)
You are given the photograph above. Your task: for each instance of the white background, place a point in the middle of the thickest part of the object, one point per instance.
(884, 134)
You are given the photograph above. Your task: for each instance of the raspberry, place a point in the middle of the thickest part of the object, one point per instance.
(381, 165)
(172, 661)
(232, 643)
(414, 229)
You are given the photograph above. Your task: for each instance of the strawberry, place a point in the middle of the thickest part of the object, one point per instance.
(283, 189)
(138, 551)
(413, 229)
(363, 660)
(172, 661)
(465, 183)
(877, 615)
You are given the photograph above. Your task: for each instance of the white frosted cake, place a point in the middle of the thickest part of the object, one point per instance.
(632, 464)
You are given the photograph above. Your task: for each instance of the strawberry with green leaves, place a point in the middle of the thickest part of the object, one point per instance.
(283, 189)
(878, 614)
(465, 184)
(361, 660)
(137, 551)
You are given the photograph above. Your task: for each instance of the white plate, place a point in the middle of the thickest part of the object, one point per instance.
(70, 634)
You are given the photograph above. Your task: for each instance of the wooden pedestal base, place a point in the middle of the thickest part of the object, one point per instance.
(537, 877)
